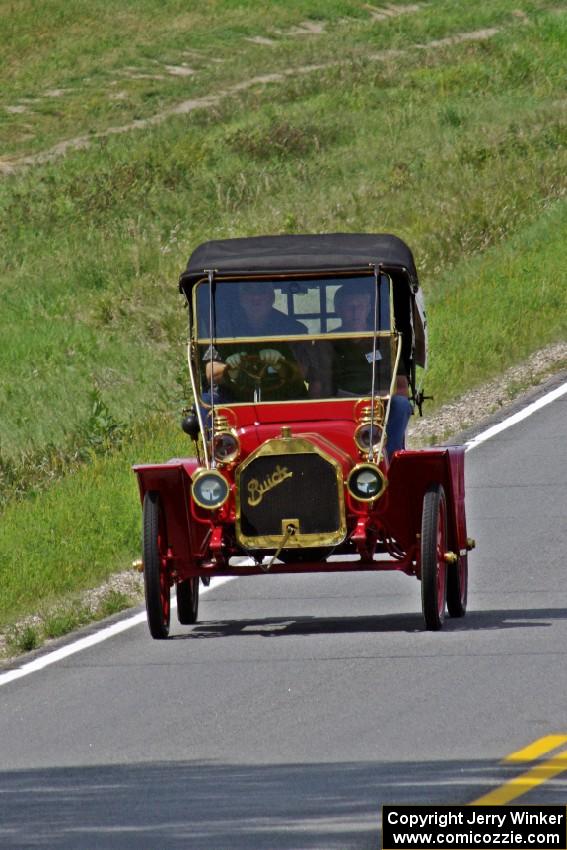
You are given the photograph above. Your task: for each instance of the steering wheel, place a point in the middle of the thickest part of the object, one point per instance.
(258, 370)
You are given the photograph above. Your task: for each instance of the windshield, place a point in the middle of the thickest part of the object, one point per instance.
(296, 339)
(266, 308)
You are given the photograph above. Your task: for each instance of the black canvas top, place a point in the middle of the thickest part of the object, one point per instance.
(313, 252)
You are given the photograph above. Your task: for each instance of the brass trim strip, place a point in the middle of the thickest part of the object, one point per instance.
(306, 337)
(326, 400)
(297, 541)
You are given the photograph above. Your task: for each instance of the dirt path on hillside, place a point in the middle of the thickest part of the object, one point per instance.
(10, 165)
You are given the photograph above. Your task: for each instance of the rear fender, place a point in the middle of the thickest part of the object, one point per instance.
(172, 481)
(410, 474)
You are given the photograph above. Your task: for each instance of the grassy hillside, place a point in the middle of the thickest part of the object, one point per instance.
(130, 132)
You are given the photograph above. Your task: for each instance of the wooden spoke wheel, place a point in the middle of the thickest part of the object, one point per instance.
(188, 601)
(157, 582)
(457, 587)
(433, 564)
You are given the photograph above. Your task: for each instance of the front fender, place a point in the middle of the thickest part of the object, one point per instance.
(172, 480)
(409, 476)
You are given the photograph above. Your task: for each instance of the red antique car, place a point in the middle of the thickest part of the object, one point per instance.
(302, 353)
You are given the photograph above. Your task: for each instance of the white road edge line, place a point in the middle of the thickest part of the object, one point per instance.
(109, 631)
(546, 399)
(91, 640)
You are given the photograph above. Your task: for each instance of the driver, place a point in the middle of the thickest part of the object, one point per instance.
(272, 367)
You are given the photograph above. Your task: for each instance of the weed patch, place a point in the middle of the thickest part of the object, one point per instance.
(20, 639)
(60, 622)
(113, 602)
(280, 139)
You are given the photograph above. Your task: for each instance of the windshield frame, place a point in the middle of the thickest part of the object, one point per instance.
(196, 342)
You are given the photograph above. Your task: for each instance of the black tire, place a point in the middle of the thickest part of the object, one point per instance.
(457, 587)
(156, 579)
(188, 601)
(433, 564)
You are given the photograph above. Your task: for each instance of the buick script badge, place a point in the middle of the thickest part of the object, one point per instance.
(257, 489)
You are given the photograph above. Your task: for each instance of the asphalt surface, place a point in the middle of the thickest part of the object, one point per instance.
(300, 704)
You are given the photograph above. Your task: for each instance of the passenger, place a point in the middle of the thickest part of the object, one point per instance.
(352, 361)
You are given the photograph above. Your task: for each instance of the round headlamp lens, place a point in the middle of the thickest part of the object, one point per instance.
(226, 447)
(366, 483)
(367, 434)
(210, 490)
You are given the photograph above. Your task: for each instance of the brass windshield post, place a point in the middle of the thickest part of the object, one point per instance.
(190, 351)
(211, 276)
(377, 324)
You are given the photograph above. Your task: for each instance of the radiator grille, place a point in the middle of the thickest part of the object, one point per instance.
(302, 486)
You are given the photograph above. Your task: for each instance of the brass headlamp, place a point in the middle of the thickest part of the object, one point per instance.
(366, 482)
(368, 432)
(226, 445)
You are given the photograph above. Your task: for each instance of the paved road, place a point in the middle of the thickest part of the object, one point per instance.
(300, 704)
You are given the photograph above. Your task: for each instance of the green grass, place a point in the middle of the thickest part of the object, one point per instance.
(86, 526)
(458, 148)
(515, 288)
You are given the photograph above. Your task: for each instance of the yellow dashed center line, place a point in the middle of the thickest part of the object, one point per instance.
(537, 775)
(538, 748)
